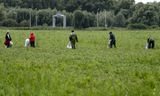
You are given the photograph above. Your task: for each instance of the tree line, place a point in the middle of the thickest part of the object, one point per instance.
(80, 13)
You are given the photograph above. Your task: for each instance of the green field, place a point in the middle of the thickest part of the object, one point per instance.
(91, 70)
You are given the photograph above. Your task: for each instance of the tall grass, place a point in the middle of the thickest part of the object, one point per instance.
(91, 70)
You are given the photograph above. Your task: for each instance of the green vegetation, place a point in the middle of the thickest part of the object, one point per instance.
(137, 26)
(79, 13)
(91, 70)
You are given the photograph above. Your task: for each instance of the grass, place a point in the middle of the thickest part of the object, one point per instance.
(91, 70)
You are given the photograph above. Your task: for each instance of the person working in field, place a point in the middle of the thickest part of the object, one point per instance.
(112, 40)
(8, 40)
(150, 43)
(73, 39)
(32, 39)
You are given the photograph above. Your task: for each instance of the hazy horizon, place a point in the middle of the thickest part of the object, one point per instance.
(145, 1)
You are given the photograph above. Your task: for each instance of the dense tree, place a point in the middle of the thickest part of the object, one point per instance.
(89, 20)
(9, 23)
(79, 13)
(120, 20)
(69, 5)
(78, 19)
(145, 14)
(2, 12)
(45, 17)
(69, 17)
(110, 19)
(24, 23)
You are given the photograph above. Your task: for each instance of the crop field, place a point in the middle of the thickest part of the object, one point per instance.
(92, 69)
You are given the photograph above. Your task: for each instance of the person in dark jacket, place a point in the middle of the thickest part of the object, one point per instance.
(32, 40)
(8, 40)
(73, 39)
(150, 43)
(112, 40)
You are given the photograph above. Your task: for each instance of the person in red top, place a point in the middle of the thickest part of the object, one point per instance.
(32, 39)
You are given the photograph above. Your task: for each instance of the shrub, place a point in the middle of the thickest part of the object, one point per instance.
(154, 27)
(9, 23)
(25, 23)
(137, 26)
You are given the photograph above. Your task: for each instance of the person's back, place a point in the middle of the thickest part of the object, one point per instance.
(112, 40)
(112, 37)
(73, 39)
(32, 37)
(32, 40)
(8, 37)
(151, 42)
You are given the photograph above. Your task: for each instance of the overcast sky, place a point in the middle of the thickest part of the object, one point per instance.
(145, 1)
